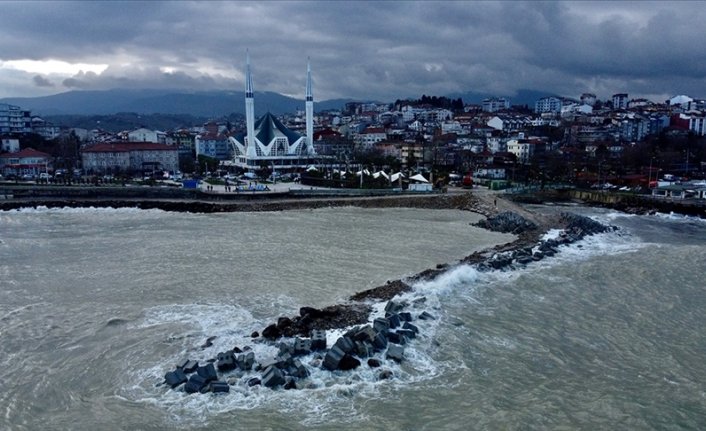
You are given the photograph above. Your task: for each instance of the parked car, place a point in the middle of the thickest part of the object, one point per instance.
(44, 176)
(28, 177)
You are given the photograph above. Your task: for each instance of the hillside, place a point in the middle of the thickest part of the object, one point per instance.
(199, 104)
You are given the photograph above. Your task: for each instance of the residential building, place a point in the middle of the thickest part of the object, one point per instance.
(697, 124)
(548, 104)
(25, 162)
(9, 145)
(524, 149)
(495, 104)
(331, 143)
(371, 136)
(146, 135)
(130, 157)
(14, 119)
(214, 145)
(620, 101)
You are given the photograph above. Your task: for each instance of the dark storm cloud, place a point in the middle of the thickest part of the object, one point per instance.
(373, 50)
(41, 81)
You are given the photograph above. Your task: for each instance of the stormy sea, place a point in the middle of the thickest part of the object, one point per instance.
(96, 305)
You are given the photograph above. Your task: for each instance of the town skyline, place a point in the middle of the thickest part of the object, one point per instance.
(367, 51)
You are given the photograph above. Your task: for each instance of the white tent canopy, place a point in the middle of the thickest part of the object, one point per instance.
(379, 173)
(364, 171)
(419, 177)
(397, 176)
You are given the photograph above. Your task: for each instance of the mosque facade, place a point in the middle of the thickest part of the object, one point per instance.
(269, 143)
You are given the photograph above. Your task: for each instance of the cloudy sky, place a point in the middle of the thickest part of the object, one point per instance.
(377, 50)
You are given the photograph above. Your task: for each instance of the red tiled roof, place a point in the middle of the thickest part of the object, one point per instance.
(374, 130)
(108, 147)
(27, 152)
(325, 133)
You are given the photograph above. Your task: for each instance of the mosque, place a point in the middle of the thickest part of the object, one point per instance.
(269, 143)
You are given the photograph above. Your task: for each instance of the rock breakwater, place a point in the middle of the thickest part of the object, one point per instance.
(301, 341)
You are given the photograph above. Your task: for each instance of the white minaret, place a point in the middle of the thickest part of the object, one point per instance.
(250, 150)
(309, 107)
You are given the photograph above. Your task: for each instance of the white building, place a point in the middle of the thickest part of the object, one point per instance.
(14, 119)
(523, 149)
(269, 142)
(686, 103)
(10, 145)
(146, 135)
(548, 104)
(371, 136)
(697, 124)
(495, 104)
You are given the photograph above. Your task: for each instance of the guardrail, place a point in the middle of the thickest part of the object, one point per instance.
(356, 192)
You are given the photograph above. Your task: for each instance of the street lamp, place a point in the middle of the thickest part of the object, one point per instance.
(649, 174)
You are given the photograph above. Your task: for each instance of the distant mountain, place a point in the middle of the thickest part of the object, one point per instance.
(523, 97)
(199, 104)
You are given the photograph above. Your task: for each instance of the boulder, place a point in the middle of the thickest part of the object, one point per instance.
(272, 332)
(309, 311)
(208, 372)
(318, 339)
(283, 322)
(285, 348)
(226, 361)
(374, 363)
(405, 316)
(272, 377)
(283, 360)
(426, 316)
(348, 362)
(385, 374)
(255, 334)
(380, 341)
(297, 369)
(395, 352)
(410, 326)
(302, 346)
(254, 382)
(396, 338)
(366, 333)
(363, 349)
(407, 333)
(188, 366)
(290, 383)
(394, 320)
(195, 384)
(333, 358)
(381, 324)
(245, 361)
(264, 364)
(219, 386)
(393, 307)
(345, 344)
(175, 378)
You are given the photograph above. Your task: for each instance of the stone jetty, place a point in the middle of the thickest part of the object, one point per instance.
(371, 344)
(301, 340)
